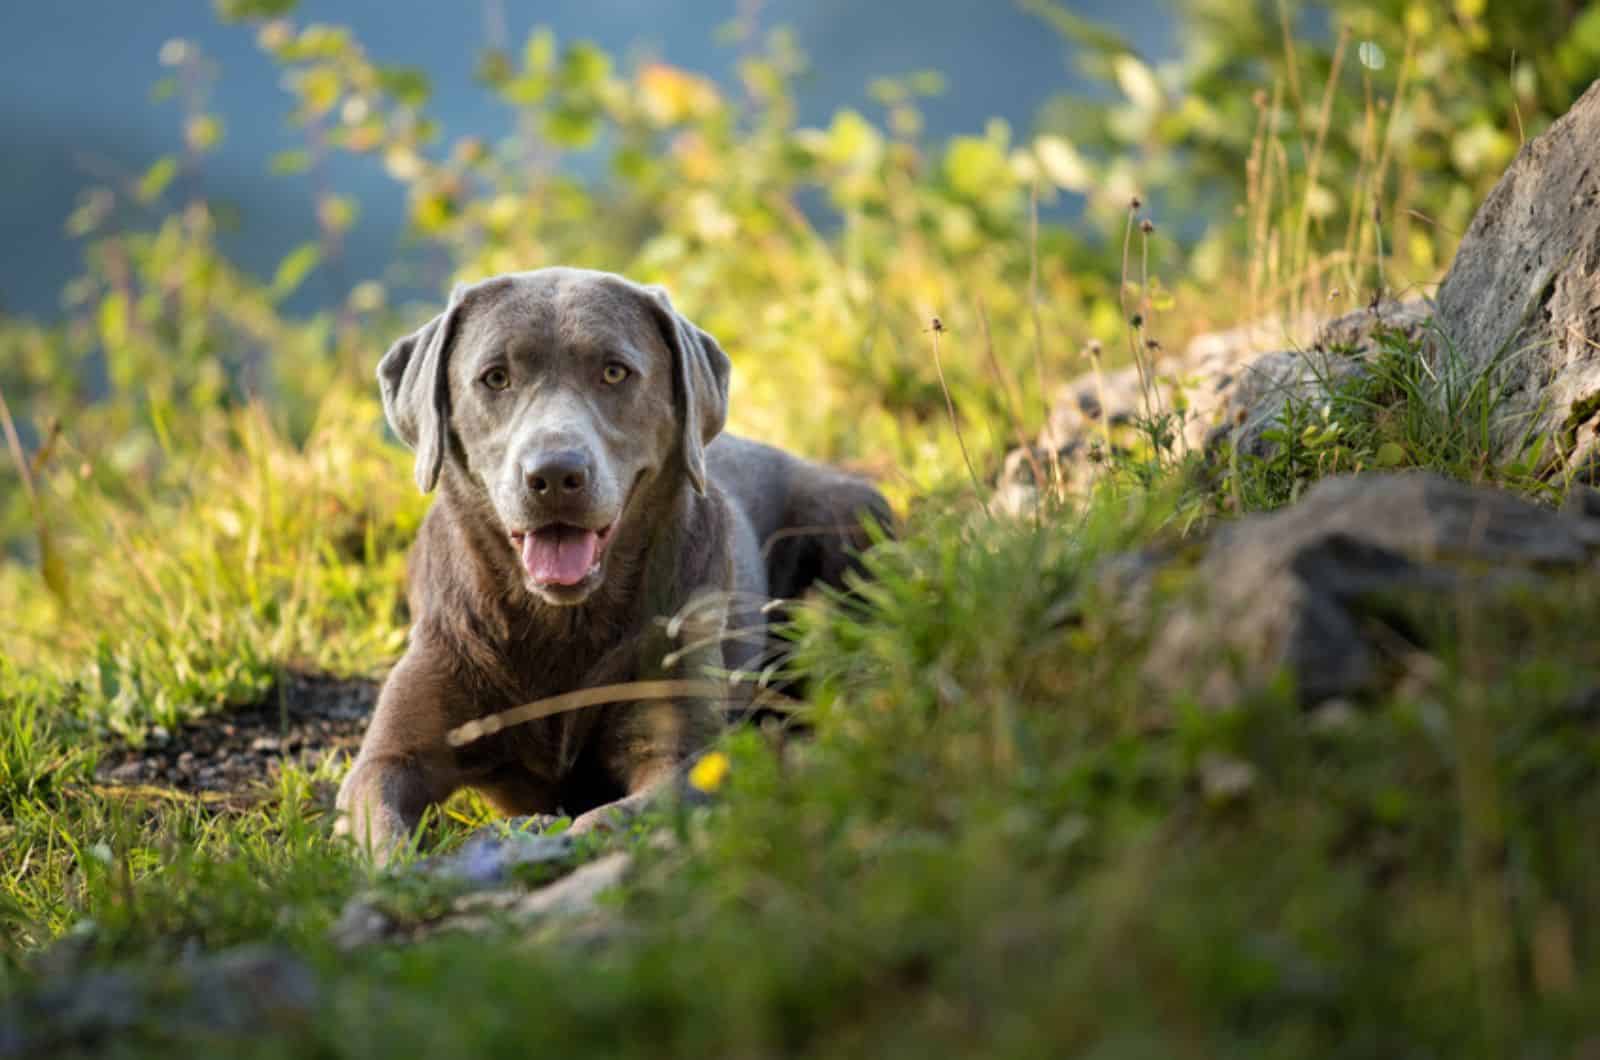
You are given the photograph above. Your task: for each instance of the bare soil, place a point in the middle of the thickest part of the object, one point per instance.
(304, 720)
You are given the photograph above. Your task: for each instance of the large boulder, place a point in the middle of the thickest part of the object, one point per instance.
(1306, 591)
(1522, 300)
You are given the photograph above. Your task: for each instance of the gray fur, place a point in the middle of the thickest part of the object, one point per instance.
(687, 511)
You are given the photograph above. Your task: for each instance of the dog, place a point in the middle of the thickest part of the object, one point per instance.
(571, 423)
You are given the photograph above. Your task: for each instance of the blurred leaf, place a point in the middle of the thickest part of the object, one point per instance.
(203, 132)
(584, 66)
(1076, 28)
(1391, 454)
(539, 55)
(671, 95)
(113, 319)
(1062, 163)
(156, 178)
(852, 139)
(93, 208)
(52, 565)
(974, 165)
(294, 268)
(336, 213)
(238, 10)
(407, 84)
(571, 127)
(432, 210)
(288, 163)
(1138, 81)
(319, 89)
(493, 67)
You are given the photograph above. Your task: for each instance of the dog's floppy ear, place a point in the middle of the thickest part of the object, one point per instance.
(699, 384)
(415, 379)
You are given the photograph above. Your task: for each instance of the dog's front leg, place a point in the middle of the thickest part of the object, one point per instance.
(404, 765)
(382, 801)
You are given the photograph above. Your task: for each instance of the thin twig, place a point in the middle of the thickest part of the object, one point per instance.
(936, 328)
(581, 698)
(1011, 401)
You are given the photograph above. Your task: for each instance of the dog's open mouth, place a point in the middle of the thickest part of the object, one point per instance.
(561, 554)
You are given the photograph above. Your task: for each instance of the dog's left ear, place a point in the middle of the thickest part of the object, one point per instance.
(415, 379)
(699, 383)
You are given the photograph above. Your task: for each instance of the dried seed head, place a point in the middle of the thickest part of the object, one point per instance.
(1334, 294)
(935, 324)
(1152, 344)
(1147, 226)
(1136, 203)
(1094, 347)
(1137, 320)
(1240, 416)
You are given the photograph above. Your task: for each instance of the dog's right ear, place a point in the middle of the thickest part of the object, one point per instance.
(415, 379)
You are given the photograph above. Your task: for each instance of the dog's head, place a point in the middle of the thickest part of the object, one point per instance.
(562, 395)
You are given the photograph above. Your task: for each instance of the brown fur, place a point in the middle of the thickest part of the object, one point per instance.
(691, 518)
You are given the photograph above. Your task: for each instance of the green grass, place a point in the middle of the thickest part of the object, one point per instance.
(994, 841)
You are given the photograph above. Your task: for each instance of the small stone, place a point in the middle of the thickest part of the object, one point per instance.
(1224, 779)
(129, 772)
(1334, 715)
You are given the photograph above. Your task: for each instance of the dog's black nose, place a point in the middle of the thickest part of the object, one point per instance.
(563, 471)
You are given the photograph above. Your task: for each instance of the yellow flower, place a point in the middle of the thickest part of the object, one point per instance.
(709, 773)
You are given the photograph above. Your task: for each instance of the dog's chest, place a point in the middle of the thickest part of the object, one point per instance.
(555, 745)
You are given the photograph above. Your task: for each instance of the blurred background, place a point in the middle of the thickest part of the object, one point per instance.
(79, 80)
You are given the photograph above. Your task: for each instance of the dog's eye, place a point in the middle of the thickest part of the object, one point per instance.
(496, 379)
(614, 373)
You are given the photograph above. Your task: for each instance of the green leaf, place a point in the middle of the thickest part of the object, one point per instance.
(294, 268)
(571, 127)
(203, 132)
(1062, 163)
(238, 10)
(584, 66)
(288, 163)
(319, 89)
(974, 166)
(1391, 454)
(156, 178)
(409, 85)
(113, 319)
(540, 54)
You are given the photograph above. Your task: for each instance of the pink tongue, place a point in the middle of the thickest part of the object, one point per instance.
(559, 555)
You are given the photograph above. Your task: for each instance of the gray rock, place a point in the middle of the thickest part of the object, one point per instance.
(239, 992)
(1247, 399)
(574, 895)
(493, 856)
(1522, 299)
(491, 880)
(1290, 591)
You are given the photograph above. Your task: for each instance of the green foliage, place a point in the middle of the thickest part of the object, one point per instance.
(1404, 409)
(1358, 136)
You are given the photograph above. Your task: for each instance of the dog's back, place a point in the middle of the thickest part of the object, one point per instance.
(800, 525)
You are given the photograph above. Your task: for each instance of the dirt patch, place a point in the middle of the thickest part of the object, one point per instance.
(305, 720)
